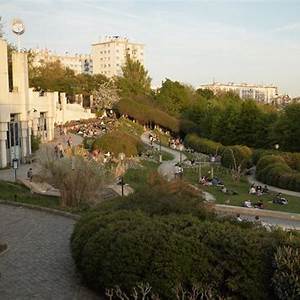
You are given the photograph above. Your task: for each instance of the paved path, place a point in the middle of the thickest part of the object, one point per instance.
(252, 180)
(166, 168)
(38, 264)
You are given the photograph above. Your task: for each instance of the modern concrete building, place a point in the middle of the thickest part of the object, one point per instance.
(109, 55)
(260, 93)
(24, 112)
(79, 63)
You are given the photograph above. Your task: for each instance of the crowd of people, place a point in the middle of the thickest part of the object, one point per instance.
(258, 190)
(88, 128)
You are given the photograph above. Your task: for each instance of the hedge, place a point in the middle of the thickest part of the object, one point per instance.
(273, 170)
(232, 156)
(117, 142)
(123, 245)
(203, 145)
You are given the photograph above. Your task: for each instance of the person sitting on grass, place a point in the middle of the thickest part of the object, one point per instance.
(252, 190)
(259, 204)
(247, 204)
(265, 189)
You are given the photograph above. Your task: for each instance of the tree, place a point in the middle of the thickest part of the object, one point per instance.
(174, 97)
(205, 93)
(135, 79)
(106, 95)
(53, 76)
(287, 128)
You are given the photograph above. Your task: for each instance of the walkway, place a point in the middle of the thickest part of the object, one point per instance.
(166, 168)
(252, 180)
(38, 263)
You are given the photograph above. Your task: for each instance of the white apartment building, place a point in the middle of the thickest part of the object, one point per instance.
(109, 55)
(25, 113)
(79, 63)
(260, 93)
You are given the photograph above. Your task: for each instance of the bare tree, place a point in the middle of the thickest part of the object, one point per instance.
(78, 179)
(105, 96)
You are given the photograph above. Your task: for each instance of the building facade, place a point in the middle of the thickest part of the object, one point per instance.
(25, 113)
(79, 63)
(260, 93)
(109, 55)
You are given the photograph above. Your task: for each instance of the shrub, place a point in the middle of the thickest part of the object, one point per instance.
(165, 237)
(273, 170)
(203, 145)
(123, 247)
(235, 156)
(117, 142)
(286, 278)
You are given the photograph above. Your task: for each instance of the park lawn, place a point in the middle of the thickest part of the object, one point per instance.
(130, 127)
(138, 178)
(19, 193)
(242, 188)
(10, 191)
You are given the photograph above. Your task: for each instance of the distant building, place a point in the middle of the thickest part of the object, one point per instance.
(109, 55)
(260, 93)
(79, 63)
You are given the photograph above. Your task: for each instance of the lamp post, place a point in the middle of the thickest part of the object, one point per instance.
(15, 167)
(212, 160)
(160, 155)
(276, 146)
(180, 157)
(122, 157)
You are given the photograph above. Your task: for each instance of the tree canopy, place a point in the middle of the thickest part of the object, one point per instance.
(135, 79)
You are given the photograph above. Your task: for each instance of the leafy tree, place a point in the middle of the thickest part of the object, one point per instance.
(52, 76)
(135, 79)
(287, 128)
(174, 97)
(205, 93)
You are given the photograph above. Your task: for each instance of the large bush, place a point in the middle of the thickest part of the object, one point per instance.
(203, 145)
(273, 170)
(165, 242)
(286, 279)
(117, 142)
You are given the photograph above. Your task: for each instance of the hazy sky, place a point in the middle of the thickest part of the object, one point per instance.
(191, 41)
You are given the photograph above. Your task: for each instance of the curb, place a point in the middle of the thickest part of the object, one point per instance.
(43, 209)
(229, 209)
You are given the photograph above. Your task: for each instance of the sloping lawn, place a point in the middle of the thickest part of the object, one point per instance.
(241, 187)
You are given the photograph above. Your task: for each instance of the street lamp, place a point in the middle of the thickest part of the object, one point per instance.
(180, 157)
(276, 146)
(122, 157)
(212, 160)
(160, 155)
(15, 166)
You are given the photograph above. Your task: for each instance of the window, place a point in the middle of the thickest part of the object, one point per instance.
(117, 50)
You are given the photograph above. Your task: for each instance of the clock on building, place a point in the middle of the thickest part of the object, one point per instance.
(18, 26)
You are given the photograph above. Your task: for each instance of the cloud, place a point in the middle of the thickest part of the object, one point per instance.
(288, 27)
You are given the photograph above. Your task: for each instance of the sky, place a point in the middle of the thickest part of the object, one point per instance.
(195, 42)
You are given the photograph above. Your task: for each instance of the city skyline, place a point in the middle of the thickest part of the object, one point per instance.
(195, 42)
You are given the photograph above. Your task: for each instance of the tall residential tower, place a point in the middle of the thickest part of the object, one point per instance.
(109, 55)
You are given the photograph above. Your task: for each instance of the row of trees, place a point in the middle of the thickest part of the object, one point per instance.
(223, 117)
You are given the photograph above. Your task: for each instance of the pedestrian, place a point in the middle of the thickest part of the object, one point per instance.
(69, 142)
(30, 174)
